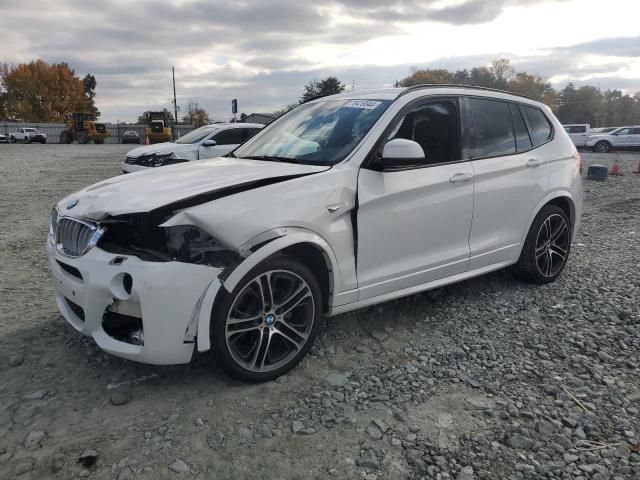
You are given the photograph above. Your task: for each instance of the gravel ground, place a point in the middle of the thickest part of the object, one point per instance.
(489, 378)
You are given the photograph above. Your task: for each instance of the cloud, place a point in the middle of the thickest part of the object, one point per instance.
(263, 51)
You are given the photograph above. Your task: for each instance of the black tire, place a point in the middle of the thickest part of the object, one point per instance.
(12, 139)
(83, 137)
(222, 309)
(543, 260)
(99, 141)
(27, 139)
(602, 147)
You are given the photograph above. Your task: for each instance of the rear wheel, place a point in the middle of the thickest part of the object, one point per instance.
(546, 248)
(602, 147)
(99, 141)
(269, 322)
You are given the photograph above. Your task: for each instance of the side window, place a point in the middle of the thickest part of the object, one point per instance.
(247, 133)
(230, 136)
(523, 141)
(493, 127)
(435, 126)
(624, 131)
(578, 129)
(635, 131)
(539, 126)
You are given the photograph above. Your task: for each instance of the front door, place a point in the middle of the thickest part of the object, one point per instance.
(413, 224)
(226, 140)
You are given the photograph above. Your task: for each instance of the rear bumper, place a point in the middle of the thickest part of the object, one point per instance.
(166, 296)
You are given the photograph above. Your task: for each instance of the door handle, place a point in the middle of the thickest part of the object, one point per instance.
(534, 162)
(461, 177)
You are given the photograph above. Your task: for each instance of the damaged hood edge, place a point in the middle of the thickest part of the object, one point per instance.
(178, 186)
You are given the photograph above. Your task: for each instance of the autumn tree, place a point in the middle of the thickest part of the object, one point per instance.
(40, 92)
(145, 118)
(89, 85)
(321, 88)
(196, 115)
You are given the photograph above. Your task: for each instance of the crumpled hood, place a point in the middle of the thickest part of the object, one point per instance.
(161, 148)
(147, 190)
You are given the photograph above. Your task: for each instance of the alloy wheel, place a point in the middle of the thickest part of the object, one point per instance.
(270, 321)
(552, 245)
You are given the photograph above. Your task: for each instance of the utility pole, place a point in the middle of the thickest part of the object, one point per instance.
(175, 103)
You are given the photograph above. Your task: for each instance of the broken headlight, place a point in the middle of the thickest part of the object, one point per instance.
(165, 159)
(190, 244)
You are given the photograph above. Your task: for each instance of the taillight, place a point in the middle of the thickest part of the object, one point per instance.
(578, 160)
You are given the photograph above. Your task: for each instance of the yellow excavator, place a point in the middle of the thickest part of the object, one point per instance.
(157, 131)
(82, 127)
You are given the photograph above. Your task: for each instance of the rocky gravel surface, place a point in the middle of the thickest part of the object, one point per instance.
(487, 379)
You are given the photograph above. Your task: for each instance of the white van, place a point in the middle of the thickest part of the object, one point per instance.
(578, 133)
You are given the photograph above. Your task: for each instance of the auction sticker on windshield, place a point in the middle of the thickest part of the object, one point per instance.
(364, 104)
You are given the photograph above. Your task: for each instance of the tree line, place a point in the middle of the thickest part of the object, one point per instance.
(42, 92)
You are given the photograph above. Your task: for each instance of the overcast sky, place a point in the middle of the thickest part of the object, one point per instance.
(263, 51)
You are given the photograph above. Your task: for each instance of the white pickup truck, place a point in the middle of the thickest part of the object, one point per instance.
(28, 135)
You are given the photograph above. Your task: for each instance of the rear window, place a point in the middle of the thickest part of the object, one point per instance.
(539, 126)
(494, 128)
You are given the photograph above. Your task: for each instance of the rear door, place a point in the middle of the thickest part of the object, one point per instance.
(511, 176)
(413, 221)
(635, 137)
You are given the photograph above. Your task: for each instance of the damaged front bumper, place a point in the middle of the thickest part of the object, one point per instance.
(139, 310)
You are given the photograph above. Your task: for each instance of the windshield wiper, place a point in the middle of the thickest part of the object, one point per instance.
(272, 158)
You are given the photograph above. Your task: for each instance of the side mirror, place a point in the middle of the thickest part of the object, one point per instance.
(209, 143)
(401, 152)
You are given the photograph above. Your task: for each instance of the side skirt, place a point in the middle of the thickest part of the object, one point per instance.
(419, 288)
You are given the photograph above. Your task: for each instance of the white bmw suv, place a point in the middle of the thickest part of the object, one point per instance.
(344, 202)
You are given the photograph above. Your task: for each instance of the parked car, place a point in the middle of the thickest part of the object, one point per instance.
(28, 135)
(342, 203)
(578, 133)
(130, 136)
(3, 138)
(210, 141)
(620, 138)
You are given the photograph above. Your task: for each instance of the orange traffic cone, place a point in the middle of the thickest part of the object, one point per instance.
(637, 170)
(615, 170)
(146, 142)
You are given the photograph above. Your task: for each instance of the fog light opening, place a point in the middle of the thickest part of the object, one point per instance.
(121, 286)
(136, 337)
(127, 283)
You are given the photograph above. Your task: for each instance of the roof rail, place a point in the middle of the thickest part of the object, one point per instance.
(455, 85)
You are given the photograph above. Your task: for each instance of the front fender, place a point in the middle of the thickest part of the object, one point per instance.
(286, 237)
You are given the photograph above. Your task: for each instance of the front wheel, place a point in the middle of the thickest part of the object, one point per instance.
(269, 322)
(27, 140)
(602, 147)
(546, 248)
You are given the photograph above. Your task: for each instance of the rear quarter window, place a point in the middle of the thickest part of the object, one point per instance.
(539, 126)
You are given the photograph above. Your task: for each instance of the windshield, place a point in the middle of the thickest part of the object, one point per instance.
(30, 130)
(319, 133)
(196, 135)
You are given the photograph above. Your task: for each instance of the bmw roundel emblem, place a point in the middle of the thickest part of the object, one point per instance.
(72, 204)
